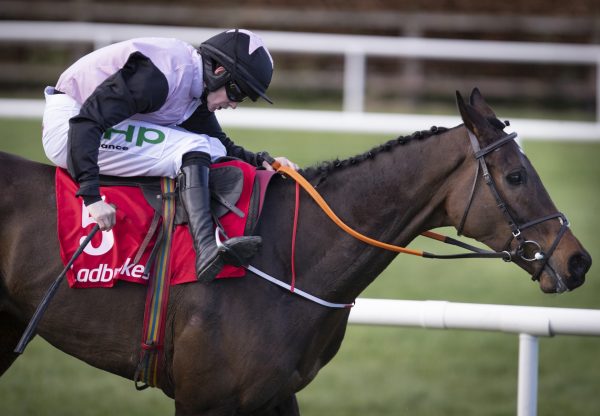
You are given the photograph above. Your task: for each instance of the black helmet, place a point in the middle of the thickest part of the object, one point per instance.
(244, 56)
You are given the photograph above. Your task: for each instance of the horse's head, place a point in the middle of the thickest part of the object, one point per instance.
(503, 203)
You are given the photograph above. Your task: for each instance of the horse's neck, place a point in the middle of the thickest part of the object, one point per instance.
(393, 198)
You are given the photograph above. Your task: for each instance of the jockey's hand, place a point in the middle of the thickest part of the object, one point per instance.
(283, 161)
(104, 214)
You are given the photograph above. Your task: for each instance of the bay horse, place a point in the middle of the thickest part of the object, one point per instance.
(245, 346)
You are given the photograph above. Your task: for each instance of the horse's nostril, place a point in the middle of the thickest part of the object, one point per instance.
(579, 264)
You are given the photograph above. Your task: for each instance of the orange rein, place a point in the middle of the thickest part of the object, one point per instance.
(325, 207)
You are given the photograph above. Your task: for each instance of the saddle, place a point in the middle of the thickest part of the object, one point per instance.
(226, 182)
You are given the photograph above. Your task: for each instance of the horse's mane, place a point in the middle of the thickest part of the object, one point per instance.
(323, 169)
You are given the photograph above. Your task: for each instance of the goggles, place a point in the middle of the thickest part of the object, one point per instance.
(234, 93)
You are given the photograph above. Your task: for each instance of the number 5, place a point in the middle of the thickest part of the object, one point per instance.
(108, 238)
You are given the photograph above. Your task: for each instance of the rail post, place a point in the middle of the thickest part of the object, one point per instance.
(354, 81)
(528, 375)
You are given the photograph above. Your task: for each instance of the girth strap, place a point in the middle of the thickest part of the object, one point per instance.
(157, 297)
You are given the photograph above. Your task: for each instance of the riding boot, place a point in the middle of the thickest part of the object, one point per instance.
(210, 257)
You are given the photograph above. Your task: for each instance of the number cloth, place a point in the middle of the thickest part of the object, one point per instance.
(109, 256)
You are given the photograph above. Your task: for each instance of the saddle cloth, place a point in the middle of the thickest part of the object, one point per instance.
(110, 255)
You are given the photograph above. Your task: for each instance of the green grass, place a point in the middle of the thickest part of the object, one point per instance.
(380, 371)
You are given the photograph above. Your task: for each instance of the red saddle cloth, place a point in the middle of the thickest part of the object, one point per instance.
(109, 256)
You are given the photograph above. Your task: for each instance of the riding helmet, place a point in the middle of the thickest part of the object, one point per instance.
(244, 56)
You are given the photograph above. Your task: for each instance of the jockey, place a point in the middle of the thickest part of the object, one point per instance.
(145, 107)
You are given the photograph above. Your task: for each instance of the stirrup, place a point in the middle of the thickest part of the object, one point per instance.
(231, 255)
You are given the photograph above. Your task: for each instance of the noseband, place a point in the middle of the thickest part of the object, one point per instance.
(516, 228)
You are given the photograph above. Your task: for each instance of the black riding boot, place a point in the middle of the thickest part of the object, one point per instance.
(195, 196)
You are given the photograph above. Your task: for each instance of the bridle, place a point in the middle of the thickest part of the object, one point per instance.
(516, 228)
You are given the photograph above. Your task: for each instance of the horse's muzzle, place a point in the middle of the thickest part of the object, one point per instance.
(556, 279)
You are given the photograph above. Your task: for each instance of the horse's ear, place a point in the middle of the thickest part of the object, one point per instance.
(467, 112)
(462, 106)
(479, 103)
(475, 121)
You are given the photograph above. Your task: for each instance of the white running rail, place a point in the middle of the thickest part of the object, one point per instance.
(355, 49)
(350, 122)
(528, 321)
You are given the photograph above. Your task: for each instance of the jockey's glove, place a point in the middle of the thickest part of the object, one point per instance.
(104, 214)
(283, 161)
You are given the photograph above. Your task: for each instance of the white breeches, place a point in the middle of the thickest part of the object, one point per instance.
(131, 148)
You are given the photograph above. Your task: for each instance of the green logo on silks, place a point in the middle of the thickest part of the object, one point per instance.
(144, 135)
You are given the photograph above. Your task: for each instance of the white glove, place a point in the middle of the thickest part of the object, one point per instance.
(104, 214)
(283, 161)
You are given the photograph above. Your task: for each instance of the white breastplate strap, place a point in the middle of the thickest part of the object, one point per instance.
(297, 291)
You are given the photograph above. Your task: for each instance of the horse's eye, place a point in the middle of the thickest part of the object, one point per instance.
(516, 178)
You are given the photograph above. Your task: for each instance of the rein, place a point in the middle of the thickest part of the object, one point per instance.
(475, 251)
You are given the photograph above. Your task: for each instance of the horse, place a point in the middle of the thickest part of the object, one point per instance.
(245, 346)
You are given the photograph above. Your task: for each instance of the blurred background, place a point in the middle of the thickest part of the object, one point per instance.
(307, 79)
(552, 96)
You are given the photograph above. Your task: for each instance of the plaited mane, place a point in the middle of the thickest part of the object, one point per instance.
(323, 169)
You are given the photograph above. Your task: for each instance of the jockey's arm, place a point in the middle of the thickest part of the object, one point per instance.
(138, 87)
(205, 122)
